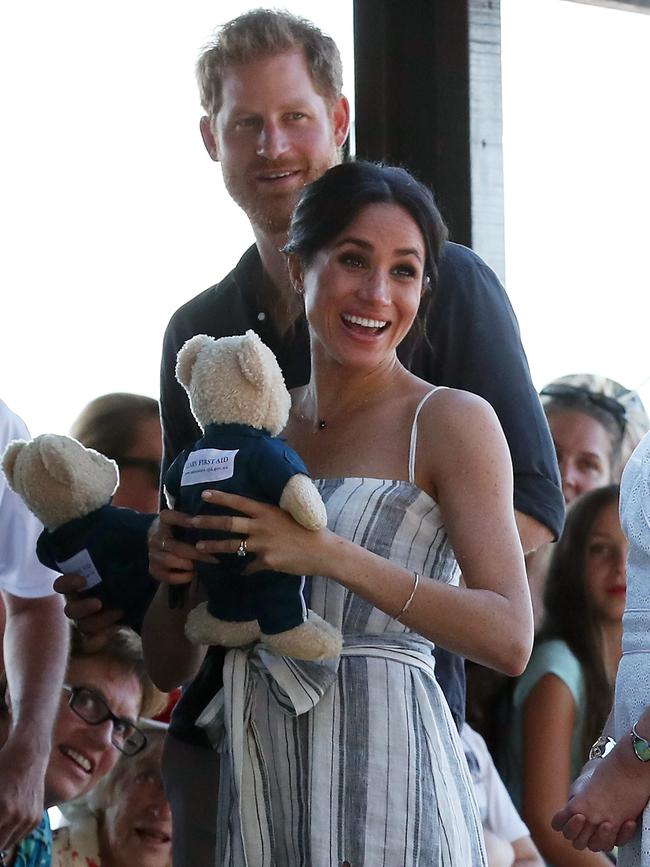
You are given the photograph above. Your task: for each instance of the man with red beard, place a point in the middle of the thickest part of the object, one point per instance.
(275, 120)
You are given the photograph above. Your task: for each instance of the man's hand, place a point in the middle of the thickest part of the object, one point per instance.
(605, 803)
(171, 561)
(96, 624)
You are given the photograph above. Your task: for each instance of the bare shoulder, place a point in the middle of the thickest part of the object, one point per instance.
(458, 413)
(460, 438)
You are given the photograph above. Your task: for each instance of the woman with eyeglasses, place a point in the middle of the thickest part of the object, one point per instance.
(103, 695)
(125, 820)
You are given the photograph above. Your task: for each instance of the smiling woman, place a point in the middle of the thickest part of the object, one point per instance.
(103, 696)
(128, 820)
(331, 231)
(393, 455)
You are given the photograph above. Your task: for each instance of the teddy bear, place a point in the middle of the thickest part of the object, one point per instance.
(69, 488)
(238, 397)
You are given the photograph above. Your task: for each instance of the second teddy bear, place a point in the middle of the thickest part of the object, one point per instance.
(69, 488)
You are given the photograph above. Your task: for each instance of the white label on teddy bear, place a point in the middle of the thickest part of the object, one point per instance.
(81, 564)
(208, 465)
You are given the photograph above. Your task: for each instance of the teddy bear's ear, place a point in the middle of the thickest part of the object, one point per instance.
(253, 360)
(9, 459)
(106, 467)
(58, 455)
(187, 356)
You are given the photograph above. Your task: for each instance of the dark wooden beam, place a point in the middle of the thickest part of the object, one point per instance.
(412, 95)
(428, 96)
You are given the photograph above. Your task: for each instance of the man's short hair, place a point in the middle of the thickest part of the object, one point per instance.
(265, 33)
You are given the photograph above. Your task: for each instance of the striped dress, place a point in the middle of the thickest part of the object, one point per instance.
(356, 760)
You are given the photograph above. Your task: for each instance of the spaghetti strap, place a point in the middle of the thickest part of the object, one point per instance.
(414, 432)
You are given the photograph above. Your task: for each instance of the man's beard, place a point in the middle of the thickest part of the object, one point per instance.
(271, 211)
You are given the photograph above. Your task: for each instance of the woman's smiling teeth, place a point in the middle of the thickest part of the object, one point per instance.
(79, 759)
(374, 324)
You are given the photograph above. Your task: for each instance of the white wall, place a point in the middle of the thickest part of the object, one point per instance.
(576, 129)
(112, 214)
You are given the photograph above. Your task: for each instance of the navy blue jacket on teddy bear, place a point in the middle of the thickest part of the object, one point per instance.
(239, 459)
(69, 489)
(109, 548)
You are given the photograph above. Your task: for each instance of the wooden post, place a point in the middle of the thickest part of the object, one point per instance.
(428, 96)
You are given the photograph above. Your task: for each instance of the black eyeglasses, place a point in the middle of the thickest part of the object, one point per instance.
(610, 404)
(150, 465)
(92, 709)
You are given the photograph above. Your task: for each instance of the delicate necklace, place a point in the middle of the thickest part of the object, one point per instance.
(321, 424)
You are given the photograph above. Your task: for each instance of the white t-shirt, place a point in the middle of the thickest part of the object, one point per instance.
(496, 809)
(20, 571)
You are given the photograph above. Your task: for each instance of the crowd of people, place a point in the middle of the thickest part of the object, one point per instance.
(437, 461)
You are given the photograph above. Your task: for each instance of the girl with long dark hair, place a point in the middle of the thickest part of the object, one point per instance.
(562, 700)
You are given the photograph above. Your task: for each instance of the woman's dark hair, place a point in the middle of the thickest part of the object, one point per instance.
(328, 205)
(569, 611)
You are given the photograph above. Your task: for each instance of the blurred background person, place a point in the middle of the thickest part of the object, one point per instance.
(35, 645)
(562, 700)
(596, 423)
(127, 820)
(103, 695)
(126, 428)
(507, 839)
(611, 800)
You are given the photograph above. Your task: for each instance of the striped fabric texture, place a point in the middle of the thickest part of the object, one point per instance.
(355, 760)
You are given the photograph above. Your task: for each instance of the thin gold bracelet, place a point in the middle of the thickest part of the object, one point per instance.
(410, 599)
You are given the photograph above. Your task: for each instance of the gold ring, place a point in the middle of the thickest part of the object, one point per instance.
(241, 551)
